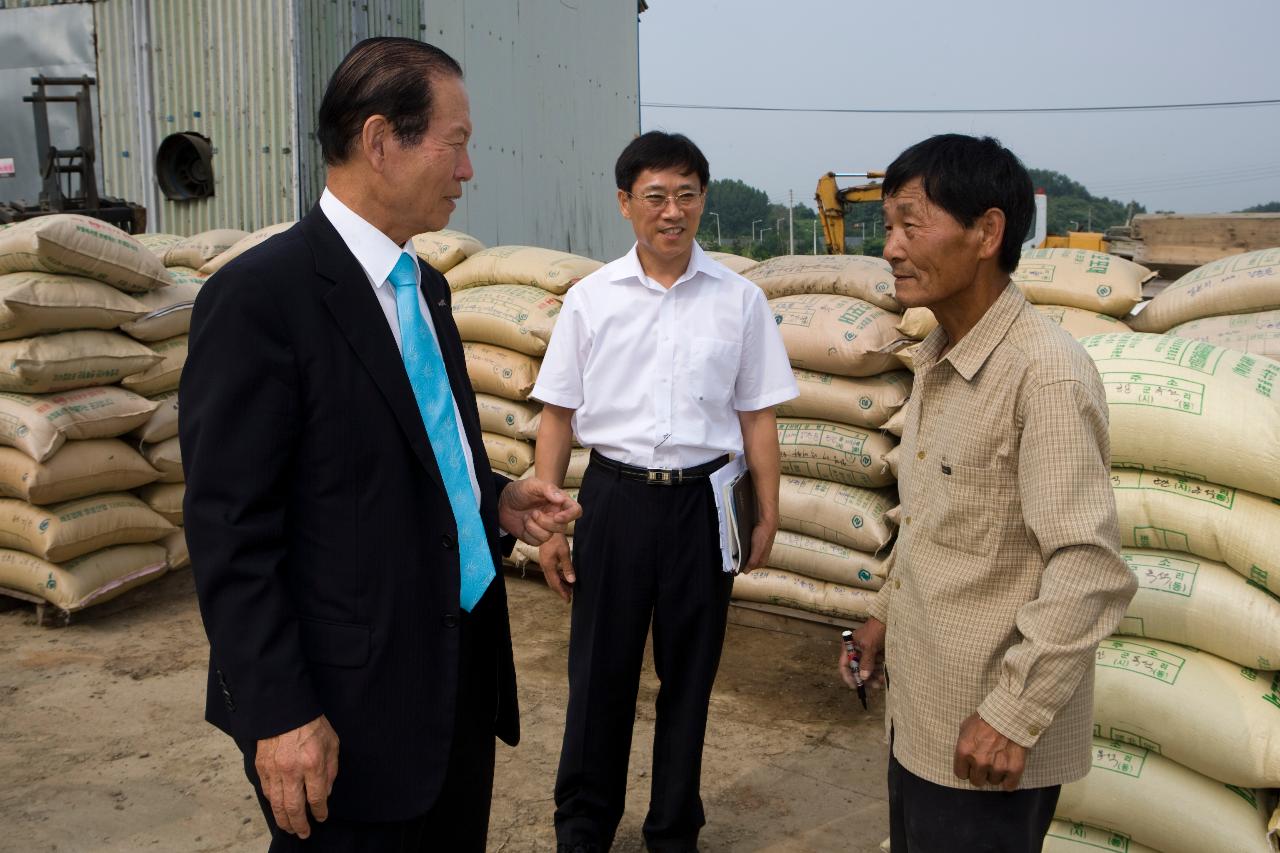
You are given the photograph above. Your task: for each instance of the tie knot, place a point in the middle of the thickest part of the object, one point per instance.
(405, 272)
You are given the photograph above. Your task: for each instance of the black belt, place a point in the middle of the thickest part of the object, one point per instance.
(660, 476)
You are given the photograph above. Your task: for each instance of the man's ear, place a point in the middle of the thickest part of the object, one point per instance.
(374, 138)
(990, 227)
(623, 207)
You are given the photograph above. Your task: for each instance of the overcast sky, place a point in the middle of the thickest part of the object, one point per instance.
(942, 54)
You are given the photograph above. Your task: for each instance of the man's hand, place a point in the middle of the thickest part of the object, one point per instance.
(986, 757)
(869, 641)
(761, 544)
(296, 770)
(533, 510)
(557, 566)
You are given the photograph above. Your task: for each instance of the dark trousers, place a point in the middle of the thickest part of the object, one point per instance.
(925, 817)
(642, 553)
(459, 819)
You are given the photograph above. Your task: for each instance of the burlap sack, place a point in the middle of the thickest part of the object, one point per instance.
(822, 450)
(836, 334)
(1064, 836)
(158, 244)
(510, 418)
(867, 401)
(906, 356)
(1258, 333)
(1222, 524)
(258, 237)
(515, 316)
(80, 245)
(196, 251)
(1079, 278)
(786, 589)
(917, 323)
(847, 515)
(860, 276)
(445, 249)
(546, 269)
(38, 425)
(34, 303)
(81, 468)
(502, 372)
(165, 375)
(163, 423)
(894, 425)
(1191, 409)
(168, 310)
(1238, 284)
(165, 499)
(737, 263)
(91, 579)
(175, 547)
(67, 530)
(1202, 603)
(166, 458)
(1160, 803)
(67, 360)
(825, 561)
(508, 454)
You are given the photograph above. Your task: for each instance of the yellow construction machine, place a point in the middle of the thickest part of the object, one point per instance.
(832, 201)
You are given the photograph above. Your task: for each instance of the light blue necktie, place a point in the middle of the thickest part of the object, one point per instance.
(430, 381)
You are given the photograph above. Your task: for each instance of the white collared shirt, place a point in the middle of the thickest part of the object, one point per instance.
(377, 256)
(658, 375)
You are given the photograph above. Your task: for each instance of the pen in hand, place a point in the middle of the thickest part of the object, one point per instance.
(855, 667)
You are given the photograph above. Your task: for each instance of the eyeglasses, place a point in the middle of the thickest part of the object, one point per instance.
(657, 201)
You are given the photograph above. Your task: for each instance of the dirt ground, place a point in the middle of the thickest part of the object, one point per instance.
(103, 746)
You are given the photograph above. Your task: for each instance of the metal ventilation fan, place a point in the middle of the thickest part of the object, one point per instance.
(184, 167)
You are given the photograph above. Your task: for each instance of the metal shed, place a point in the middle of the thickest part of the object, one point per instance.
(554, 88)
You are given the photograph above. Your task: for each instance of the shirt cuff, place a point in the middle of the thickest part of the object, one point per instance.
(550, 397)
(764, 401)
(878, 609)
(1012, 718)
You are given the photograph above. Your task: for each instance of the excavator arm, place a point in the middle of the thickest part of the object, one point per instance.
(832, 201)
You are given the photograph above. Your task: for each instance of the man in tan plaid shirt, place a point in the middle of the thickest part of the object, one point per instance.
(1006, 573)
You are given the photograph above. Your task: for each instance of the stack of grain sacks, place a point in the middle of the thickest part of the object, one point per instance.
(70, 531)
(1187, 697)
(505, 302)
(838, 319)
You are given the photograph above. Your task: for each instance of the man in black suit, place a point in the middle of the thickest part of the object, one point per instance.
(343, 523)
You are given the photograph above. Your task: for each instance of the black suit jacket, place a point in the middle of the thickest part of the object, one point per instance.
(321, 536)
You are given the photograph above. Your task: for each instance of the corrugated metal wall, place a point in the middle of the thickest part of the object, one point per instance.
(554, 98)
(223, 69)
(554, 91)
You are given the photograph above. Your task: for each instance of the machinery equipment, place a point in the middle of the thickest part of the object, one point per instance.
(78, 193)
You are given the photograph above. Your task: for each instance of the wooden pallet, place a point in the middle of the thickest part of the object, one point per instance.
(47, 615)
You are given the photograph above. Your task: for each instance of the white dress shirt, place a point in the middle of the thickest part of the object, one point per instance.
(658, 375)
(378, 256)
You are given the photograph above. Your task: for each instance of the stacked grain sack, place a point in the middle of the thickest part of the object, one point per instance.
(837, 318)
(1187, 700)
(505, 302)
(70, 533)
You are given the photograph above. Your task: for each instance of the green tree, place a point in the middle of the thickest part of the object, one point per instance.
(737, 204)
(1269, 207)
(1073, 208)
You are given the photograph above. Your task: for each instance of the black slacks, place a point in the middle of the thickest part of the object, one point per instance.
(642, 554)
(925, 817)
(459, 818)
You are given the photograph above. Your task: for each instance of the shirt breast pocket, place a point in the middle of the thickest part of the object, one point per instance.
(967, 505)
(712, 369)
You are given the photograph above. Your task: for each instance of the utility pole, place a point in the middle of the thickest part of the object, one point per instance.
(753, 229)
(814, 223)
(791, 222)
(717, 216)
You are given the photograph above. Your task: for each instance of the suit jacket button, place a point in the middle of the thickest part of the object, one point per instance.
(450, 621)
(448, 541)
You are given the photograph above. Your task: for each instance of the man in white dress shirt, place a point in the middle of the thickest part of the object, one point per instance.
(664, 363)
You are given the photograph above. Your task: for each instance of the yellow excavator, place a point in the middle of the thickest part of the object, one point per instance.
(833, 199)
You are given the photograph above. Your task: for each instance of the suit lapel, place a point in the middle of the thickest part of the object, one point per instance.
(355, 310)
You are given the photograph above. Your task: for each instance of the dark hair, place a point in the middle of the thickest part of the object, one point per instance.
(657, 150)
(391, 77)
(967, 176)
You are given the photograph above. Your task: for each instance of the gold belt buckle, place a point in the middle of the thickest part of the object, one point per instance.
(659, 478)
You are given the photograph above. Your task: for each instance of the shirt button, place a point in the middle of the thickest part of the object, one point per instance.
(448, 541)
(921, 455)
(1033, 730)
(897, 584)
(450, 621)
(908, 519)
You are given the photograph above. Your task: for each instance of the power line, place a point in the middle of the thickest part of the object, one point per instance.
(1204, 105)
